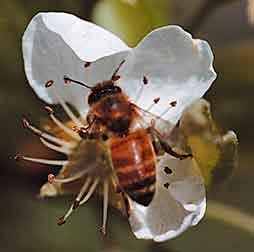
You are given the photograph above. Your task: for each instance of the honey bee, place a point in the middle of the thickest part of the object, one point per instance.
(132, 138)
(121, 144)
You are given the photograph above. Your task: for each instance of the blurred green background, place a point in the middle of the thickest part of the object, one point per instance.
(29, 224)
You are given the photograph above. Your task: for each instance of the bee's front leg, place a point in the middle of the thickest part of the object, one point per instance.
(85, 134)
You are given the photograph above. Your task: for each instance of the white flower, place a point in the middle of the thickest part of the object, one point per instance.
(174, 66)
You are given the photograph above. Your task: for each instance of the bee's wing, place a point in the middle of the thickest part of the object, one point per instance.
(147, 119)
(179, 201)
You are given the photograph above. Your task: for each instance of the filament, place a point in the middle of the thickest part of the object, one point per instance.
(70, 132)
(155, 101)
(69, 80)
(77, 202)
(172, 105)
(43, 161)
(139, 94)
(48, 136)
(68, 111)
(90, 192)
(105, 206)
(78, 175)
(83, 189)
(54, 147)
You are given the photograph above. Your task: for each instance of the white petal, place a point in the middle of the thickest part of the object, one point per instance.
(173, 209)
(177, 67)
(58, 44)
(89, 41)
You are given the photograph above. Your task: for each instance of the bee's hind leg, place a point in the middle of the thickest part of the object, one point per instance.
(166, 147)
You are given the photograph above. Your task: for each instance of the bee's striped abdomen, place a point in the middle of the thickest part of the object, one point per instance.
(133, 159)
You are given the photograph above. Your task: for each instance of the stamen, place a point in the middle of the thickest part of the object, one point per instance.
(105, 206)
(55, 148)
(90, 192)
(139, 94)
(87, 64)
(70, 132)
(77, 203)
(73, 178)
(172, 104)
(49, 83)
(145, 80)
(51, 178)
(68, 111)
(116, 77)
(155, 101)
(42, 161)
(51, 138)
(83, 189)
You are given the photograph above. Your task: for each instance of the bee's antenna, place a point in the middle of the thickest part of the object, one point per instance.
(68, 80)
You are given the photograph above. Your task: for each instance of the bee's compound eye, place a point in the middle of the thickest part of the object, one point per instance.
(104, 137)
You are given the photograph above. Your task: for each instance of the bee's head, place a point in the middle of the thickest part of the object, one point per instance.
(102, 90)
(99, 91)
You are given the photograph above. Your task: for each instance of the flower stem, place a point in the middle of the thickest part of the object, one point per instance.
(231, 216)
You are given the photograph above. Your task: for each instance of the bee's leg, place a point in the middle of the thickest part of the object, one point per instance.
(87, 132)
(84, 134)
(166, 147)
(127, 210)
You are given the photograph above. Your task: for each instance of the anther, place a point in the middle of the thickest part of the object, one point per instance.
(156, 100)
(51, 178)
(66, 80)
(18, 157)
(49, 83)
(145, 80)
(87, 64)
(166, 185)
(103, 231)
(61, 221)
(25, 123)
(167, 170)
(49, 110)
(173, 103)
(116, 77)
